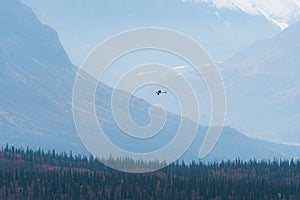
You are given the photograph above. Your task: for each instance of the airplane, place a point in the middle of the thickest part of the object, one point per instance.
(160, 92)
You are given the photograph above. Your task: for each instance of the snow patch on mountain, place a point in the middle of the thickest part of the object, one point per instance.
(281, 12)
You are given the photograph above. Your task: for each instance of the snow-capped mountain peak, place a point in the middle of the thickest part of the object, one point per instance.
(281, 12)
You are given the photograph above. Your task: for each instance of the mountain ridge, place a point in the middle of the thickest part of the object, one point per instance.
(266, 73)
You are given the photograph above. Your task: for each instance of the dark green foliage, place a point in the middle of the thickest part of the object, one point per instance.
(28, 174)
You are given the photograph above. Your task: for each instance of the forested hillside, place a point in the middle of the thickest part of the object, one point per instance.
(28, 174)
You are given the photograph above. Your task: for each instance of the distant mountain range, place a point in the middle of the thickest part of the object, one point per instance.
(222, 32)
(36, 81)
(283, 13)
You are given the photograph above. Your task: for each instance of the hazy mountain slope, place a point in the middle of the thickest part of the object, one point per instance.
(36, 79)
(263, 87)
(36, 87)
(222, 32)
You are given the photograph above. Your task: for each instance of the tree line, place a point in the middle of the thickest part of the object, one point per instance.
(28, 174)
